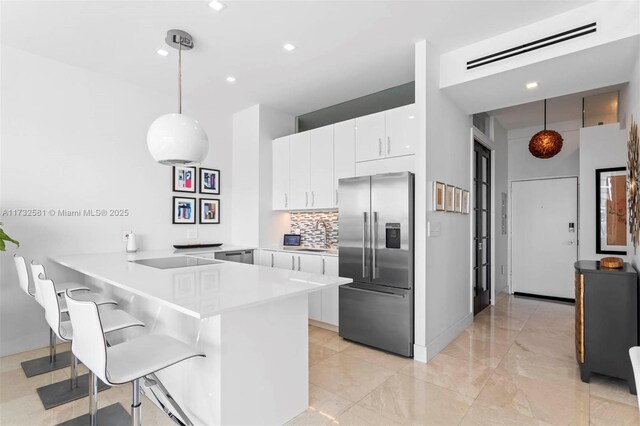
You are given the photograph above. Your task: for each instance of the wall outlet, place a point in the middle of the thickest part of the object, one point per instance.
(192, 234)
(124, 235)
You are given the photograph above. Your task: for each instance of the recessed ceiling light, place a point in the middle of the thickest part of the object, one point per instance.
(231, 79)
(532, 85)
(411, 117)
(162, 52)
(288, 47)
(217, 5)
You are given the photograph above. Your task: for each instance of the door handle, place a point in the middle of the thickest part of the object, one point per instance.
(323, 266)
(293, 263)
(286, 200)
(388, 145)
(364, 245)
(399, 296)
(272, 260)
(374, 223)
(313, 198)
(298, 263)
(306, 199)
(379, 147)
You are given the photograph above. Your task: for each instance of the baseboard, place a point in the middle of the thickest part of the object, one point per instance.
(446, 337)
(550, 298)
(324, 325)
(420, 353)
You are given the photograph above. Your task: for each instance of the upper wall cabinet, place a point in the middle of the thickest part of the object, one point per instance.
(344, 153)
(280, 164)
(299, 175)
(321, 167)
(386, 134)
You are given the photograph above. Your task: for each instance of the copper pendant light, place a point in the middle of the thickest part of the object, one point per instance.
(546, 143)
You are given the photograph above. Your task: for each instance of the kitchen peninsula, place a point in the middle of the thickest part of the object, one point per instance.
(251, 321)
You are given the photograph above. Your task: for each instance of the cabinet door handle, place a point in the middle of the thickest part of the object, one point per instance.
(388, 145)
(306, 199)
(298, 263)
(336, 197)
(293, 263)
(323, 266)
(272, 260)
(286, 200)
(313, 198)
(379, 147)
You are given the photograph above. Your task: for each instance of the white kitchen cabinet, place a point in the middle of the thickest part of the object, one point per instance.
(321, 167)
(370, 135)
(266, 258)
(284, 260)
(344, 153)
(280, 173)
(299, 172)
(330, 295)
(402, 131)
(386, 134)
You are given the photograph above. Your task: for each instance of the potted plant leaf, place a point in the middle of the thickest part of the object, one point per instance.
(4, 237)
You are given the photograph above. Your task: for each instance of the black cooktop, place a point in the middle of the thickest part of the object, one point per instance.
(174, 262)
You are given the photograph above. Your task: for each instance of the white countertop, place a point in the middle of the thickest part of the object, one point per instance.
(199, 291)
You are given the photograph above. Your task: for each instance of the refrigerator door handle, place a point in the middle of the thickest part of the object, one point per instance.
(388, 293)
(364, 245)
(374, 226)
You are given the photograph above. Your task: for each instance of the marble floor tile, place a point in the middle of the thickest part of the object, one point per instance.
(360, 416)
(468, 348)
(483, 330)
(374, 356)
(545, 343)
(607, 412)
(410, 401)
(466, 377)
(346, 376)
(483, 415)
(327, 338)
(324, 408)
(557, 371)
(535, 398)
(612, 389)
(318, 353)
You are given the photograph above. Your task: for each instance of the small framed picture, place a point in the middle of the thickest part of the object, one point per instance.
(209, 211)
(438, 196)
(209, 181)
(184, 179)
(465, 202)
(449, 198)
(184, 210)
(458, 200)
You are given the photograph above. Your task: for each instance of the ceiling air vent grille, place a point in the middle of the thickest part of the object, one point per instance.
(533, 45)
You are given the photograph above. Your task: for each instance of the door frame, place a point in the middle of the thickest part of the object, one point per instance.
(487, 142)
(510, 220)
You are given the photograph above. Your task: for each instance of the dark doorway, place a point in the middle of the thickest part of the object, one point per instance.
(482, 228)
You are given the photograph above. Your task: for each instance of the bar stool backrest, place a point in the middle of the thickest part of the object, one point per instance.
(23, 274)
(88, 336)
(37, 270)
(47, 291)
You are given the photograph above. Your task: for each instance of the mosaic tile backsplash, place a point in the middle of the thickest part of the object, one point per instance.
(304, 223)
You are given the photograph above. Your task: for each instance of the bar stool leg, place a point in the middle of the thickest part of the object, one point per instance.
(74, 372)
(52, 346)
(93, 399)
(136, 409)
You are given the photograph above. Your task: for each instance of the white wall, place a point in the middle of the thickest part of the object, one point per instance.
(442, 287)
(255, 223)
(523, 165)
(74, 139)
(601, 147)
(500, 140)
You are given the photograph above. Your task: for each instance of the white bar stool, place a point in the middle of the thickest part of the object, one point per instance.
(52, 362)
(76, 387)
(127, 362)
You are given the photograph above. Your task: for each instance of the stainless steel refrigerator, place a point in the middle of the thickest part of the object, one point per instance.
(376, 251)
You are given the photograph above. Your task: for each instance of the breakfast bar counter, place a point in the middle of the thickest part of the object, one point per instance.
(251, 322)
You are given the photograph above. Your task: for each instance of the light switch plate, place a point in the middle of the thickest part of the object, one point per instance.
(434, 229)
(192, 234)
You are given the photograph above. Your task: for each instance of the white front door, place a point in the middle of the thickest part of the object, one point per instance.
(544, 244)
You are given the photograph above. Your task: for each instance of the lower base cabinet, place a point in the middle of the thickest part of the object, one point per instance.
(323, 305)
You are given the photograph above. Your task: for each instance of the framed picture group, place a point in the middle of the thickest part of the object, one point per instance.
(448, 198)
(186, 210)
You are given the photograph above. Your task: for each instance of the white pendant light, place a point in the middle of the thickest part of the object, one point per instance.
(175, 139)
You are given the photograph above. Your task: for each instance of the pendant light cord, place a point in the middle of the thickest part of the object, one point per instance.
(180, 75)
(545, 114)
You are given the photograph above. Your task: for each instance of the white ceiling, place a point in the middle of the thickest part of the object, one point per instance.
(346, 49)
